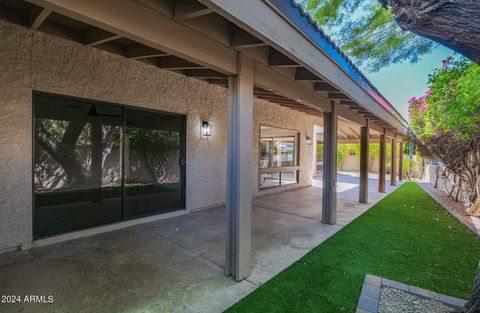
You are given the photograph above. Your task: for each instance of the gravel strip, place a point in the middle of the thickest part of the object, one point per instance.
(394, 300)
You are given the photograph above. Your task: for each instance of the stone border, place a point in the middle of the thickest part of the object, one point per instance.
(370, 297)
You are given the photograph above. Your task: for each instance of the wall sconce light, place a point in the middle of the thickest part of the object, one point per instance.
(308, 140)
(206, 129)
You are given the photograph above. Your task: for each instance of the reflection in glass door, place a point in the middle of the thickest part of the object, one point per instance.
(153, 162)
(77, 173)
(96, 163)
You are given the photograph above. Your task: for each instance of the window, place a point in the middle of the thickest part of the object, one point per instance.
(278, 157)
(98, 163)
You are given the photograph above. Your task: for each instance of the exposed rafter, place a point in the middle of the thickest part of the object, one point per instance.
(96, 36)
(188, 9)
(302, 74)
(175, 63)
(242, 39)
(338, 96)
(38, 19)
(204, 73)
(140, 51)
(277, 59)
(324, 86)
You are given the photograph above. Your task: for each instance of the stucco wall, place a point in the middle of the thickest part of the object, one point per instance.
(37, 61)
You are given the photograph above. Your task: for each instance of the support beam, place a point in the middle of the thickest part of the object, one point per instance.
(364, 158)
(242, 39)
(393, 171)
(302, 74)
(324, 86)
(188, 9)
(239, 170)
(141, 51)
(277, 59)
(204, 73)
(329, 199)
(382, 163)
(338, 96)
(96, 36)
(174, 63)
(139, 22)
(400, 162)
(37, 20)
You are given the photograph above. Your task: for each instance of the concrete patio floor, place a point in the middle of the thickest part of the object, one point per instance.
(176, 264)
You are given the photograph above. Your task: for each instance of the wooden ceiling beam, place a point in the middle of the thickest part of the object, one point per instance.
(140, 51)
(37, 20)
(349, 102)
(242, 39)
(188, 9)
(324, 86)
(175, 63)
(204, 73)
(302, 74)
(218, 81)
(277, 59)
(96, 36)
(337, 96)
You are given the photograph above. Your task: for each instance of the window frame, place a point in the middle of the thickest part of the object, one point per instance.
(268, 170)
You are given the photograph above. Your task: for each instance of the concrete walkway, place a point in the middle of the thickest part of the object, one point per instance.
(175, 265)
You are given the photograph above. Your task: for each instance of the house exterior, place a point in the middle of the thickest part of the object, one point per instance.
(114, 113)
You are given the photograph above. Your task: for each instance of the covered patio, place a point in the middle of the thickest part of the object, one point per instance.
(177, 264)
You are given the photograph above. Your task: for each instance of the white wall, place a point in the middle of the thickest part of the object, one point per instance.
(36, 61)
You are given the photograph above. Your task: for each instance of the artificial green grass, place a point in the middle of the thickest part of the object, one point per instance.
(407, 237)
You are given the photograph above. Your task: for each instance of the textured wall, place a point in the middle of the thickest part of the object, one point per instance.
(36, 61)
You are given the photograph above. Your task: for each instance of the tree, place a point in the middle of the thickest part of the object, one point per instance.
(368, 32)
(446, 123)
(454, 23)
(376, 34)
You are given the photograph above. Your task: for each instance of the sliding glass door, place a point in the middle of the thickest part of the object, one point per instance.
(97, 163)
(153, 162)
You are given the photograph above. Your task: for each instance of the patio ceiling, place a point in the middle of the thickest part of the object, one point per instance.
(201, 39)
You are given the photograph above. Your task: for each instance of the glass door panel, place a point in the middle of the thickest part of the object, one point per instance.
(77, 172)
(154, 162)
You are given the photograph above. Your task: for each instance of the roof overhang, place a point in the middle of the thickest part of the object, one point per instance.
(294, 66)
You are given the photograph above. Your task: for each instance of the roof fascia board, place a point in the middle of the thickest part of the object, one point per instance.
(279, 33)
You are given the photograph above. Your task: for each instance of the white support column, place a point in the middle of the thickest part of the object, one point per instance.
(329, 200)
(239, 170)
(364, 158)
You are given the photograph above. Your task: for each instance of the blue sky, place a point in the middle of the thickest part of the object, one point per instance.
(399, 82)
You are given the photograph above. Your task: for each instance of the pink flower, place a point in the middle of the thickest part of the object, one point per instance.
(423, 106)
(447, 61)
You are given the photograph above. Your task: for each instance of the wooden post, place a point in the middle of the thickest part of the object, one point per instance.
(364, 158)
(239, 170)
(382, 163)
(400, 162)
(329, 200)
(393, 171)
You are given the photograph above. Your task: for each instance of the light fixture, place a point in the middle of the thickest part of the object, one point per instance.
(308, 140)
(206, 129)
